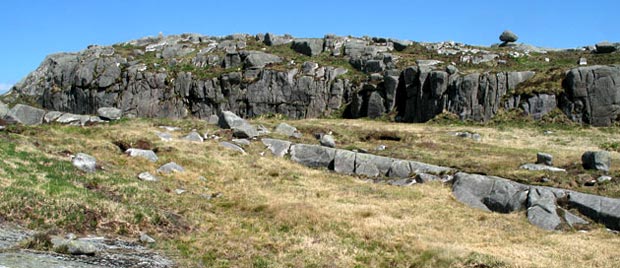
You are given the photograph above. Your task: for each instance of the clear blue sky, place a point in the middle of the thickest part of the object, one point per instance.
(32, 29)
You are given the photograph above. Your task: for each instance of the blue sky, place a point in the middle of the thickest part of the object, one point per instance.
(32, 29)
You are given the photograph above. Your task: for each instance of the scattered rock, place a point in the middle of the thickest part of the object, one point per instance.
(540, 167)
(109, 113)
(327, 141)
(288, 130)
(278, 148)
(400, 169)
(164, 136)
(146, 154)
(600, 160)
(231, 146)
(146, 176)
(194, 136)
(84, 162)
(380, 147)
(428, 62)
(144, 238)
(170, 168)
(426, 178)
(240, 127)
(508, 36)
(467, 135)
(573, 220)
(26, 115)
(544, 159)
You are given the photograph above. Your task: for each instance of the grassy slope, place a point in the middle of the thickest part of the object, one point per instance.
(275, 213)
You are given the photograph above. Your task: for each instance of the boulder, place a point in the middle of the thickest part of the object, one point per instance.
(170, 168)
(327, 141)
(287, 130)
(426, 178)
(240, 127)
(276, 40)
(542, 210)
(26, 115)
(599, 160)
(604, 210)
(232, 146)
(146, 176)
(400, 45)
(376, 106)
(371, 165)
(374, 66)
(4, 110)
(308, 46)
(489, 193)
(419, 167)
(544, 159)
(508, 36)
(344, 162)
(278, 148)
(605, 47)
(313, 155)
(400, 169)
(84, 162)
(51, 116)
(194, 136)
(109, 113)
(73, 247)
(539, 105)
(164, 136)
(573, 220)
(402, 182)
(241, 142)
(146, 154)
(144, 238)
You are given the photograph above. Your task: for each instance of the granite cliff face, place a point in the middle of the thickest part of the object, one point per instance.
(200, 76)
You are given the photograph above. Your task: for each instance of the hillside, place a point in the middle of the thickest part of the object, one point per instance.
(347, 152)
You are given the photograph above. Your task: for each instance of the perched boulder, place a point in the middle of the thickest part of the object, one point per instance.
(508, 36)
(84, 162)
(600, 160)
(308, 46)
(170, 168)
(146, 154)
(544, 159)
(26, 115)
(240, 127)
(278, 148)
(376, 106)
(313, 155)
(109, 113)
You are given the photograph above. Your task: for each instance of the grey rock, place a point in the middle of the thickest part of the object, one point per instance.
(428, 62)
(451, 69)
(542, 210)
(74, 119)
(4, 110)
(508, 36)
(144, 238)
(257, 59)
(489, 193)
(240, 127)
(194, 136)
(539, 105)
(603, 179)
(308, 46)
(400, 169)
(146, 154)
(344, 162)
(591, 95)
(402, 182)
(170, 168)
(26, 115)
(401, 45)
(327, 141)
(309, 68)
(180, 191)
(540, 167)
(376, 105)
(286, 129)
(426, 178)
(374, 66)
(313, 155)
(599, 160)
(544, 159)
(470, 189)
(573, 220)
(84, 162)
(419, 167)
(276, 40)
(605, 47)
(372, 165)
(74, 247)
(51, 116)
(164, 136)
(604, 210)
(109, 113)
(213, 119)
(278, 148)
(241, 142)
(146, 176)
(232, 146)
(582, 61)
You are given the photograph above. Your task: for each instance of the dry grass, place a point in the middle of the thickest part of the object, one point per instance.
(276, 213)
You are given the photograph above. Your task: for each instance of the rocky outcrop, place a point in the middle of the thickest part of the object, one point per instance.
(592, 95)
(548, 208)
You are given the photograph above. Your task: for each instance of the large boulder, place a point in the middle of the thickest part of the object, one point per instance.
(508, 36)
(313, 155)
(109, 113)
(592, 95)
(604, 210)
(599, 160)
(489, 193)
(240, 127)
(376, 106)
(276, 40)
(308, 46)
(26, 115)
(84, 162)
(542, 209)
(606, 47)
